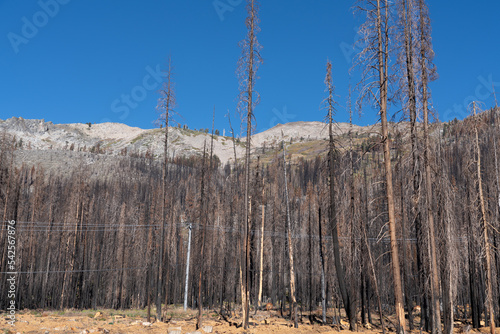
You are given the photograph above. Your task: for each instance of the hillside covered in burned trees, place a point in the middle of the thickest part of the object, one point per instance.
(90, 239)
(394, 225)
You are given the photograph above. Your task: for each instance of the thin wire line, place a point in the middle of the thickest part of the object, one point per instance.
(69, 271)
(97, 228)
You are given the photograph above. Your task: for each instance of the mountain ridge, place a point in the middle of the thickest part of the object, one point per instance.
(122, 139)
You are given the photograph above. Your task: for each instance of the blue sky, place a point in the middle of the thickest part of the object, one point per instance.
(93, 61)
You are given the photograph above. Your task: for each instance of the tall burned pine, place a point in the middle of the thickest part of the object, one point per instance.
(203, 214)
(165, 107)
(427, 73)
(410, 55)
(409, 101)
(261, 244)
(484, 219)
(247, 73)
(374, 85)
(339, 267)
(204, 217)
(293, 298)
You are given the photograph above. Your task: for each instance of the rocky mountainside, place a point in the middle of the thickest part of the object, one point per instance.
(90, 142)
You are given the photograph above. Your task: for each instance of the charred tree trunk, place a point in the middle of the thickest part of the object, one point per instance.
(489, 287)
(247, 68)
(348, 305)
(166, 104)
(293, 300)
(383, 67)
(323, 278)
(435, 299)
(261, 265)
(203, 216)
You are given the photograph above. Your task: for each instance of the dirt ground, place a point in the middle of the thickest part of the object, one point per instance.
(134, 321)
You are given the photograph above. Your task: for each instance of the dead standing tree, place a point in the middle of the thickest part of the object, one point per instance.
(427, 73)
(261, 253)
(374, 85)
(293, 298)
(247, 73)
(416, 46)
(489, 287)
(165, 107)
(409, 101)
(348, 305)
(205, 187)
(203, 214)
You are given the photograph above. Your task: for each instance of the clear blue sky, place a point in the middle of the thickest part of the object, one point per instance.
(78, 61)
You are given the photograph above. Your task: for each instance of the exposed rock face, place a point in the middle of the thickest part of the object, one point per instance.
(86, 142)
(113, 138)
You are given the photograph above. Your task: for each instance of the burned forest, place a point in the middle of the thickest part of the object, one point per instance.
(393, 226)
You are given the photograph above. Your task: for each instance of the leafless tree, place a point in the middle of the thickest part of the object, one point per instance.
(413, 18)
(293, 299)
(165, 107)
(484, 219)
(428, 73)
(203, 213)
(248, 65)
(339, 267)
(261, 253)
(374, 85)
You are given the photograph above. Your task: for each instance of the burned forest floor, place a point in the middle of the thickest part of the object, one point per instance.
(183, 322)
